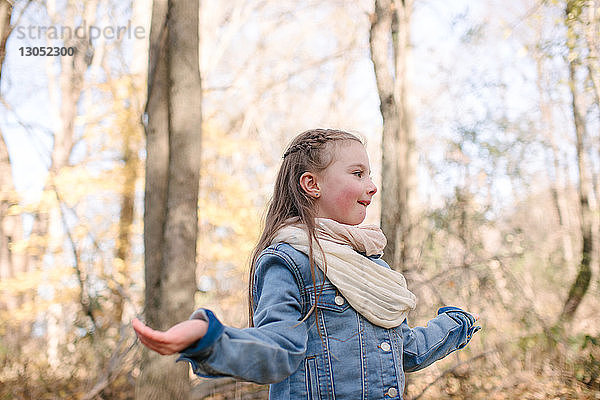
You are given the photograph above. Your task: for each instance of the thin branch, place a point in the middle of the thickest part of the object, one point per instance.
(30, 130)
(534, 9)
(115, 364)
(86, 305)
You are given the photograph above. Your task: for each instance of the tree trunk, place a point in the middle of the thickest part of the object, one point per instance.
(185, 120)
(12, 259)
(592, 38)
(6, 9)
(391, 22)
(11, 228)
(592, 35)
(157, 159)
(582, 281)
(132, 143)
(173, 137)
(123, 246)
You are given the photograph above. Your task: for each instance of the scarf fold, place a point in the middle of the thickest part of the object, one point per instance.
(376, 292)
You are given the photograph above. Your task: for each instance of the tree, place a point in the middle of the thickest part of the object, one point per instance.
(579, 287)
(391, 21)
(10, 226)
(173, 146)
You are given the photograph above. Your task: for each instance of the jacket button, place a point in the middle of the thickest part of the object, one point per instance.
(339, 300)
(392, 392)
(385, 346)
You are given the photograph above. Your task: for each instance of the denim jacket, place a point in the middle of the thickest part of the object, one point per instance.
(343, 356)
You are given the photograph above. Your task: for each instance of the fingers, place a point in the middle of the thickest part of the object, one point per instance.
(153, 339)
(149, 344)
(146, 331)
(160, 349)
(137, 325)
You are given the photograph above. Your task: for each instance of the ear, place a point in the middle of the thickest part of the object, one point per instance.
(309, 183)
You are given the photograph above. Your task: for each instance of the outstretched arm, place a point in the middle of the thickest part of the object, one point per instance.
(172, 341)
(451, 330)
(266, 353)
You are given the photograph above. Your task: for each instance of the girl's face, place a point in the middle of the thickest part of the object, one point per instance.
(345, 187)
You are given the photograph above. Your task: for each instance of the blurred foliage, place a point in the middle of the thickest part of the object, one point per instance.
(229, 223)
(492, 240)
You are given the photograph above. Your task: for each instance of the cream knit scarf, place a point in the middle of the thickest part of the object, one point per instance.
(377, 293)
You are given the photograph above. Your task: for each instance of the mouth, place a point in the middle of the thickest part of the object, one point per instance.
(364, 203)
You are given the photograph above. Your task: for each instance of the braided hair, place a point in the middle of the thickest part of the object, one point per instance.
(310, 151)
(308, 141)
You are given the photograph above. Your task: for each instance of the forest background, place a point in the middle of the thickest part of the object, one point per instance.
(502, 100)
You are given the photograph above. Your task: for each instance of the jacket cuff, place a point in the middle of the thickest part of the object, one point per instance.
(463, 318)
(215, 330)
(460, 310)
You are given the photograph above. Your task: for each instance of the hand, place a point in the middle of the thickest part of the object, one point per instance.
(173, 340)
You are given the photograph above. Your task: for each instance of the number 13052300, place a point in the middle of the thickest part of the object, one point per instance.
(47, 51)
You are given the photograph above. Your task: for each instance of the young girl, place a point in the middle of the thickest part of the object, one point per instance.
(329, 316)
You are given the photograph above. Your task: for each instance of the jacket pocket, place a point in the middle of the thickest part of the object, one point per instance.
(330, 299)
(312, 378)
(338, 320)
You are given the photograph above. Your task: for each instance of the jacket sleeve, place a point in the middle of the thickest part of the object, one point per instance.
(451, 330)
(266, 353)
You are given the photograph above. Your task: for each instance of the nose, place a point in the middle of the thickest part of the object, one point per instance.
(372, 188)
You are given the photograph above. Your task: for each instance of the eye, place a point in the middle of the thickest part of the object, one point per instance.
(358, 173)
